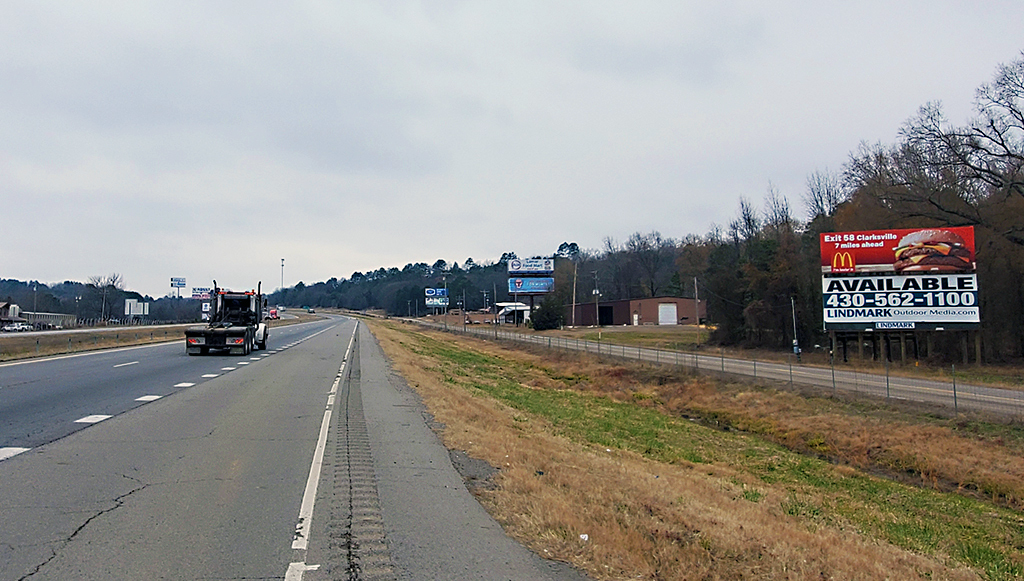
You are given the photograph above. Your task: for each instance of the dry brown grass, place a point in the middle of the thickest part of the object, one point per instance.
(643, 519)
(944, 454)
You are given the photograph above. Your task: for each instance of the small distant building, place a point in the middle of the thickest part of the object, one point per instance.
(50, 320)
(10, 313)
(648, 311)
(509, 312)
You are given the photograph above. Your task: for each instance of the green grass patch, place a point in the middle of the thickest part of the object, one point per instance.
(970, 531)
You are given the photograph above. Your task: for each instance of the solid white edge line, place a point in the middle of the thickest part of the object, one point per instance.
(11, 451)
(301, 539)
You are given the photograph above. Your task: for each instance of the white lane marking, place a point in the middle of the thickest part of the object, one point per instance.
(301, 539)
(212, 375)
(184, 384)
(228, 368)
(92, 419)
(255, 358)
(87, 354)
(243, 363)
(127, 364)
(295, 570)
(11, 451)
(148, 398)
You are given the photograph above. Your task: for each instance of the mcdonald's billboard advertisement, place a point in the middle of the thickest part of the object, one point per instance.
(922, 278)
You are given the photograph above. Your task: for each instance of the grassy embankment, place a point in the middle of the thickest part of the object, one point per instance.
(27, 345)
(675, 476)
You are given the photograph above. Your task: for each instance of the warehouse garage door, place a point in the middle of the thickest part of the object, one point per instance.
(667, 314)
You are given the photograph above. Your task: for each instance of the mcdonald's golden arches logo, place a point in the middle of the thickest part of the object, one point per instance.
(843, 262)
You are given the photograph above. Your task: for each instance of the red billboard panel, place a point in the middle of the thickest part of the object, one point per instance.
(899, 251)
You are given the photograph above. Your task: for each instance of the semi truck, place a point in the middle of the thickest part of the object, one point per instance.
(235, 324)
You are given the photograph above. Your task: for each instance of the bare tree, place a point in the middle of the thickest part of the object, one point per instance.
(776, 212)
(824, 193)
(746, 226)
(963, 168)
(651, 254)
(106, 284)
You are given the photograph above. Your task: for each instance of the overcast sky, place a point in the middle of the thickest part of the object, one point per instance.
(212, 139)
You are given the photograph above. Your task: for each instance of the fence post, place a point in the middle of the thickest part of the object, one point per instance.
(886, 378)
(956, 409)
(755, 366)
(722, 352)
(789, 358)
(832, 363)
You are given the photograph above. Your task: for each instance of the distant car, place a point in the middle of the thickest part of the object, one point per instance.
(310, 310)
(18, 327)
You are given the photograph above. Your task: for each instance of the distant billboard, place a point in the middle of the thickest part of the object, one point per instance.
(530, 286)
(921, 278)
(200, 293)
(177, 282)
(435, 292)
(135, 308)
(437, 301)
(530, 266)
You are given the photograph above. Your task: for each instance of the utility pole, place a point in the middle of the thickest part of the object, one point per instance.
(575, 268)
(597, 309)
(696, 309)
(796, 345)
(282, 274)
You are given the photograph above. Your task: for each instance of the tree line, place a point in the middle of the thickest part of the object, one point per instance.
(100, 299)
(762, 268)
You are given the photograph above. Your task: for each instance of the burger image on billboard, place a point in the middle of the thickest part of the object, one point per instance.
(932, 250)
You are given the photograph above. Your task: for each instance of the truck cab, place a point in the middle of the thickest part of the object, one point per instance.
(236, 324)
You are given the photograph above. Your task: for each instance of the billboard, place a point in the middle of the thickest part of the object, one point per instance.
(437, 301)
(200, 293)
(899, 251)
(435, 292)
(177, 282)
(919, 278)
(530, 286)
(531, 266)
(900, 302)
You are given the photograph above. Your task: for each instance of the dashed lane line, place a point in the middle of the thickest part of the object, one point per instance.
(126, 364)
(148, 398)
(92, 419)
(11, 451)
(184, 384)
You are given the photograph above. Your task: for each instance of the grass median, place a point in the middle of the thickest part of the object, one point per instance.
(643, 472)
(27, 345)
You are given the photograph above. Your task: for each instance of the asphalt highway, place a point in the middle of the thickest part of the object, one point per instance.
(307, 461)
